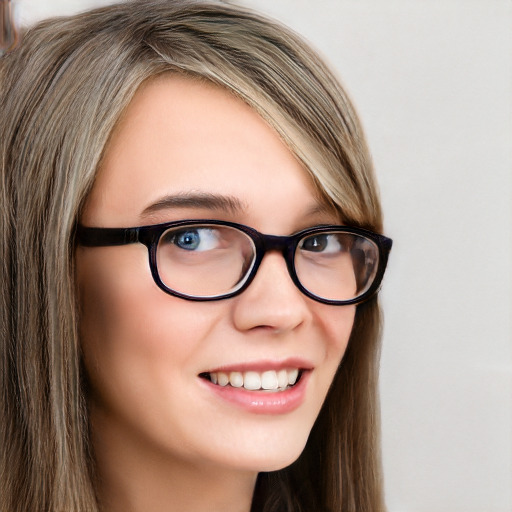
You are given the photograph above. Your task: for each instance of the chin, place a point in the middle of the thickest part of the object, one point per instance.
(277, 464)
(271, 457)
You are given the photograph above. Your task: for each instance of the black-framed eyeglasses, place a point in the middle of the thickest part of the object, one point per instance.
(206, 260)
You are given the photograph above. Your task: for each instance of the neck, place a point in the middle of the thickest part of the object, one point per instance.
(133, 476)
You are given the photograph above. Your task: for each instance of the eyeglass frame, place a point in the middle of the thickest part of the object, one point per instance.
(287, 245)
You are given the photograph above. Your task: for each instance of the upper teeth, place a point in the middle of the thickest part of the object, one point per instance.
(252, 380)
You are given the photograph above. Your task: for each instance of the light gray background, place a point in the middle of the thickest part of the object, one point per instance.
(433, 83)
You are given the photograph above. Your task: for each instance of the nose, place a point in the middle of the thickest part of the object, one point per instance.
(271, 301)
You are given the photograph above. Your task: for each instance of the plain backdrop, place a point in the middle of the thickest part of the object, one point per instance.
(432, 81)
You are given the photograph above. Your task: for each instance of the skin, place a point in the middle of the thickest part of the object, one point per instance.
(158, 431)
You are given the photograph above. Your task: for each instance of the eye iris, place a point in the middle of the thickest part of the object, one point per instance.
(188, 240)
(315, 243)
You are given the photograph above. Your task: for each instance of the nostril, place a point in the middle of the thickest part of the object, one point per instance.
(272, 303)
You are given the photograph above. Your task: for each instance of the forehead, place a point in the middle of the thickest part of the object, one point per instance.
(180, 136)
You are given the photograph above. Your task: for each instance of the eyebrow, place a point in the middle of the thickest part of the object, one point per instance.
(203, 200)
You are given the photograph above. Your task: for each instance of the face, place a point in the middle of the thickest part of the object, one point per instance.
(151, 357)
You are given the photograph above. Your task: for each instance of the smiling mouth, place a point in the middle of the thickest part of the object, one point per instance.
(268, 381)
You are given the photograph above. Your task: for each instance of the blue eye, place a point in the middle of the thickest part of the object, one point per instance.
(188, 240)
(199, 239)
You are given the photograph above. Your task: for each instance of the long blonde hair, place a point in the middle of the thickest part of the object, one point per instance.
(62, 91)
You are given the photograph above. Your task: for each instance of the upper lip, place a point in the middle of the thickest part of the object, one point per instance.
(263, 365)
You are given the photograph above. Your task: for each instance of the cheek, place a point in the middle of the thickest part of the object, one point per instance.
(336, 323)
(111, 295)
(133, 335)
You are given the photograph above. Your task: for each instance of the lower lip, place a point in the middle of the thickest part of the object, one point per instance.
(264, 402)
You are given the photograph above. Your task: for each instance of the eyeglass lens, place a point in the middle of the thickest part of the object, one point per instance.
(215, 260)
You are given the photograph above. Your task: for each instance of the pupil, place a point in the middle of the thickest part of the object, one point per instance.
(315, 243)
(188, 240)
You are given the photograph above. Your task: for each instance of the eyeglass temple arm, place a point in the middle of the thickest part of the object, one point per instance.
(102, 237)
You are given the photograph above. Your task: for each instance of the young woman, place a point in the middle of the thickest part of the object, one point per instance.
(190, 258)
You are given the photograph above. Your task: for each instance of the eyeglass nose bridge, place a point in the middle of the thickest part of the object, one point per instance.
(275, 243)
(283, 244)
